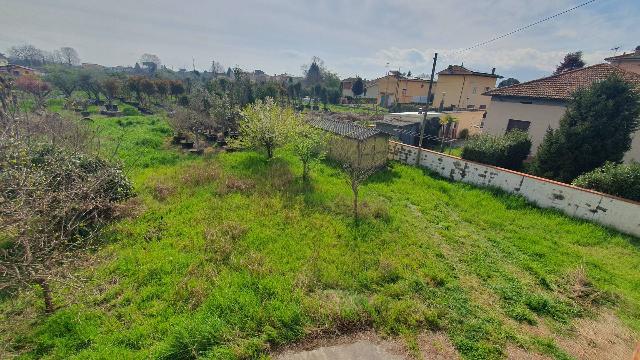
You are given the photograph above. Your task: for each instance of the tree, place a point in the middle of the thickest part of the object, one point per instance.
(150, 58)
(89, 81)
(69, 56)
(28, 55)
(162, 86)
(571, 61)
(62, 77)
(445, 128)
(176, 88)
(111, 86)
(357, 160)
(148, 88)
(309, 144)
(313, 75)
(358, 87)
(55, 199)
(638, 49)
(265, 125)
(508, 82)
(35, 87)
(596, 128)
(133, 84)
(216, 68)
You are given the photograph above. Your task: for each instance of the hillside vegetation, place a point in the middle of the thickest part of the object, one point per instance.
(232, 255)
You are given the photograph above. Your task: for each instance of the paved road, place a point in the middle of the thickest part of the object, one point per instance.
(361, 350)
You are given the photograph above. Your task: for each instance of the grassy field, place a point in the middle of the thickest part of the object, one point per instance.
(232, 256)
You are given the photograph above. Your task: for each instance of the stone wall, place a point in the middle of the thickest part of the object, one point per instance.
(620, 214)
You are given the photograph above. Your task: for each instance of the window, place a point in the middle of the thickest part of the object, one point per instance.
(487, 88)
(475, 90)
(482, 107)
(404, 92)
(518, 125)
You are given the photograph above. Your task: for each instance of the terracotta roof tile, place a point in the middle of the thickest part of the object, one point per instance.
(562, 86)
(461, 70)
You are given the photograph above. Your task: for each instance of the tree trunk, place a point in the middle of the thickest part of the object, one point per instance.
(355, 201)
(305, 172)
(46, 295)
(269, 152)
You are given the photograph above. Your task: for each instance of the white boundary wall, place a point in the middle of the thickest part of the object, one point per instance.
(620, 214)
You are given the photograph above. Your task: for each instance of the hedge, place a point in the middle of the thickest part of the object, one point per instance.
(508, 151)
(621, 180)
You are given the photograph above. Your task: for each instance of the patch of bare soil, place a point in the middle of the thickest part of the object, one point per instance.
(516, 353)
(391, 345)
(437, 346)
(604, 337)
(432, 345)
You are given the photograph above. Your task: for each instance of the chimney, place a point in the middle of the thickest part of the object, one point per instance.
(493, 71)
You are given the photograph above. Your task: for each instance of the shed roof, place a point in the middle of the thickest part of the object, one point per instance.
(562, 86)
(345, 128)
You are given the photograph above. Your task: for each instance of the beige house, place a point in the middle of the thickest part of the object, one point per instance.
(395, 88)
(461, 88)
(537, 105)
(627, 62)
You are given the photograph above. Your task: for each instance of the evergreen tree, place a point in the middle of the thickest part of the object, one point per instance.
(358, 87)
(571, 61)
(508, 82)
(596, 128)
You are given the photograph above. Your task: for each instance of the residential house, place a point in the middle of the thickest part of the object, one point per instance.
(461, 88)
(355, 144)
(466, 119)
(628, 62)
(538, 105)
(4, 61)
(405, 126)
(18, 70)
(394, 88)
(347, 85)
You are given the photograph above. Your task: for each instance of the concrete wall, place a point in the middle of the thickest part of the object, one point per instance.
(469, 120)
(622, 215)
(628, 65)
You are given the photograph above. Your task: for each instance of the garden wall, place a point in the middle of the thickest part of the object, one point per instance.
(620, 214)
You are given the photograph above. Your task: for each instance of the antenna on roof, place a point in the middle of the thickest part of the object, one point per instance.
(615, 50)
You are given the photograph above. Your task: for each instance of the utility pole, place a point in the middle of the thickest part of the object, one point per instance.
(426, 110)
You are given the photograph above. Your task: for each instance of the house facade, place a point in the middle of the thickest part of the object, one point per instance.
(627, 62)
(18, 70)
(397, 89)
(461, 88)
(538, 105)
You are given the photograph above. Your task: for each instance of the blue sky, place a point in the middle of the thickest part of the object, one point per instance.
(352, 37)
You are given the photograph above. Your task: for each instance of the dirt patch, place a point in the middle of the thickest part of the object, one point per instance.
(516, 353)
(604, 337)
(432, 346)
(437, 346)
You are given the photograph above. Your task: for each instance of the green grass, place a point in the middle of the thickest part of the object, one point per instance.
(233, 255)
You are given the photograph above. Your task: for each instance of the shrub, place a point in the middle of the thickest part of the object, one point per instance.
(463, 134)
(507, 151)
(616, 179)
(130, 111)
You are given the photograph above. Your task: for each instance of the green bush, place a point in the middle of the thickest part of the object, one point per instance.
(130, 111)
(507, 151)
(616, 179)
(463, 134)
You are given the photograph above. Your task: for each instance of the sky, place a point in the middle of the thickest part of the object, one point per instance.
(365, 37)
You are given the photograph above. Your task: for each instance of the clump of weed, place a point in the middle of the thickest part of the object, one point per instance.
(582, 290)
(280, 176)
(396, 316)
(161, 190)
(233, 184)
(200, 174)
(220, 241)
(338, 311)
(375, 209)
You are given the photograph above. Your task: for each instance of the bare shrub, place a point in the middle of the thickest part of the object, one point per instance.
(55, 196)
(582, 290)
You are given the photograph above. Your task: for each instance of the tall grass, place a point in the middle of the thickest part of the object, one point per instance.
(235, 256)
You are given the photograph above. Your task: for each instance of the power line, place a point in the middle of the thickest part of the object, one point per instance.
(526, 27)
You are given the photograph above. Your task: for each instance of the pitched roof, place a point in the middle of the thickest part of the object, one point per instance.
(461, 70)
(344, 128)
(562, 86)
(632, 55)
